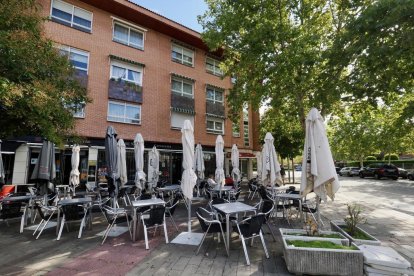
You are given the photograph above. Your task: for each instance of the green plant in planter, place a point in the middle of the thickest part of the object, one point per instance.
(319, 244)
(353, 219)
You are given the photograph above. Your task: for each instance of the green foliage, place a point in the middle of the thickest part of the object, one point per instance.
(392, 157)
(36, 82)
(371, 158)
(354, 218)
(319, 244)
(288, 134)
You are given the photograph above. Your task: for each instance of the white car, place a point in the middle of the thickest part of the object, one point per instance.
(349, 171)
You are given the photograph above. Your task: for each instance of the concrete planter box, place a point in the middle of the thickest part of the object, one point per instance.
(302, 234)
(335, 226)
(320, 261)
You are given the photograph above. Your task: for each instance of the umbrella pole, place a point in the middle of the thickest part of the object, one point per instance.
(189, 215)
(318, 214)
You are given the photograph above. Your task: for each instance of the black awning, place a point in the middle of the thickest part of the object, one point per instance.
(10, 146)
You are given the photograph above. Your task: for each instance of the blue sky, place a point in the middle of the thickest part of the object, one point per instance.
(182, 11)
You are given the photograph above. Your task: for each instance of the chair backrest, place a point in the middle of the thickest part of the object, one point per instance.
(145, 196)
(172, 205)
(263, 193)
(73, 212)
(267, 207)
(218, 200)
(10, 209)
(254, 225)
(201, 215)
(156, 216)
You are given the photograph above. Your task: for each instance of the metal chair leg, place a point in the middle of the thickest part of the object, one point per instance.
(245, 250)
(146, 237)
(271, 231)
(264, 245)
(201, 243)
(61, 227)
(106, 233)
(165, 232)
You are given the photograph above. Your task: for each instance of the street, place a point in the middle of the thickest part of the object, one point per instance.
(388, 206)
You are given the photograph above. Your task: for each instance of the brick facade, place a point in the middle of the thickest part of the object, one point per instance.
(158, 68)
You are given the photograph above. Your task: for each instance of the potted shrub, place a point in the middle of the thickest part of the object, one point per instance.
(349, 227)
(304, 255)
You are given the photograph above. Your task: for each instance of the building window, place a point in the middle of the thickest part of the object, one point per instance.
(178, 118)
(182, 55)
(214, 94)
(215, 125)
(78, 110)
(124, 113)
(246, 127)
(128, 72)
(78, 58)
(236, 129)
(127, 35)
(182, 87)
(71, 15)
(212, 66)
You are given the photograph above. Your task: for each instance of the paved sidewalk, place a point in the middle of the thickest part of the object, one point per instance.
(23, 255)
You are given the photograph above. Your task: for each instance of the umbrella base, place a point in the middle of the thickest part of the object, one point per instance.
(189, 238)
(115, 231)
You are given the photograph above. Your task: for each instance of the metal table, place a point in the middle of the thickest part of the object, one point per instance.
(142, 203)
(28, 199)
(232, 208)
(285, 196)
(73, 201)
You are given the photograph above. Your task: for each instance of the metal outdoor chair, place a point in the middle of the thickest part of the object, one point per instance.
(10, 210)
(209, 225)
(46, 213)
(170, 209)
(153, 218)
(71, 214)
(115, 216)
(252, 189)
(250, 228)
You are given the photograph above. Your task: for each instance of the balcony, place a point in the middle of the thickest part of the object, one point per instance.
(125, 91)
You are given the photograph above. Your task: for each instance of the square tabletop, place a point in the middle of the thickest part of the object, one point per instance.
(20, 198)
(147, 202)
(223, 188)
(233, 207)
(70, 201)
(289, 196)
(170, 188)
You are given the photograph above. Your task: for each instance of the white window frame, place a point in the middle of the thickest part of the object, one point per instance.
(182, 48)
(188, 117)
(182, 93)
(70, 50)
(233, 128)
(129, 27)
(127, 67)
(216, 68)
(215, 120)
(73, 12)
(124, 104)
(215, 90)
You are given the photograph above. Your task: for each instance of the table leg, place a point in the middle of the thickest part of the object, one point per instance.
(300, 209)
(134, 221)
(228, 233)
(58, 221)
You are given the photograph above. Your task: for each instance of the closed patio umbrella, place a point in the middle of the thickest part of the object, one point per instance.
(199, 165)
(111, 153)
(122, 168)
(270, 166)
(2, 174)
(235, 173)
(139, 161)
(45, 168)
(318, 168)
(219, 161)
(74, 173)
(153, 166)
(188, 181)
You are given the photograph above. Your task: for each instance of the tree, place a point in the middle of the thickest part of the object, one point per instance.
(374, 54)
(37, 84)
(278, 50)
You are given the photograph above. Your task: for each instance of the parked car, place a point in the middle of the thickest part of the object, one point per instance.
(379, 170)
(410, 175)
(349, 171)
(402, 173)
(337, 169)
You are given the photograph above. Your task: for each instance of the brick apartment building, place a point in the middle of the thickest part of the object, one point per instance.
(145, 74)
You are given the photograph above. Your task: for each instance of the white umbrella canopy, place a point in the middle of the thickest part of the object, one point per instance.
(318, 168)
(219, 160)
(139, 161)
(74, 173)
(270, 166)
(189, 178)
(235, 173)
(199, 162)
(122, 168)
(153, 166)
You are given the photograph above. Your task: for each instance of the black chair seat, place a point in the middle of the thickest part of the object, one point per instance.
(120, 219)
(10, 216)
